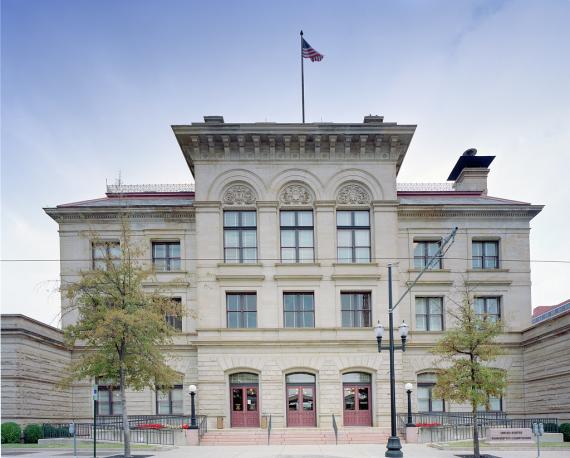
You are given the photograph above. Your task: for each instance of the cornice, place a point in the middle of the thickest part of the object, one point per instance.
(243, 277)
(447, 211)
(64, 215)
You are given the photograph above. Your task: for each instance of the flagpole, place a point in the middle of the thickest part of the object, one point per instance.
(302, 80)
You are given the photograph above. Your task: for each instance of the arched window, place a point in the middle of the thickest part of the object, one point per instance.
(356, 377)
(300, 377)
(244, 377)
(426, 400)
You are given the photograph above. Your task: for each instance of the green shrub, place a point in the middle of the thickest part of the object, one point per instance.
(11, 433)
(565, 430)
(550, 428)
(32, 433)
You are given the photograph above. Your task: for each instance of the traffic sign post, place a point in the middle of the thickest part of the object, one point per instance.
(95, 399)
(72, 432)
(538, 430)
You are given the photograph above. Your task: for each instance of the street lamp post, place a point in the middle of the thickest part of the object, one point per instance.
(192, 390)
(409, 387)
(394, 446)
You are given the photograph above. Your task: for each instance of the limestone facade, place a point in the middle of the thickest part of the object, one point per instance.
(323, 169)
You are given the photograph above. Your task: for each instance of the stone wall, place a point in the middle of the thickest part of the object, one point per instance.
(546, 351)
(33, 360)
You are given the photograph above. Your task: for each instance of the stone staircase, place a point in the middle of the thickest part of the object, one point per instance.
(295, 436)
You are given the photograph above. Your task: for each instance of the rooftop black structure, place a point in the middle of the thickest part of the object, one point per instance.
(469, 159)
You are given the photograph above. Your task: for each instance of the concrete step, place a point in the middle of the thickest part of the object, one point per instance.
(295, 436)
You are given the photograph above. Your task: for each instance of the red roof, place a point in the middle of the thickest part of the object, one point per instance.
(539, 310)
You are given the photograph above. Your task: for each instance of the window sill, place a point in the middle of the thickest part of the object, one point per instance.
(339, 264)
(170, 271)
(430, 270)
(231, 264)
(487, 270)
(297, 264)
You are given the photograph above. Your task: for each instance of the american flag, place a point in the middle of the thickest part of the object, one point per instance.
(310, 53)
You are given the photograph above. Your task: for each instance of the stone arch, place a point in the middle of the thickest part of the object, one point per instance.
(300, 176)
(236, 176)
(239, 194)
(356, 177)
(296, 193)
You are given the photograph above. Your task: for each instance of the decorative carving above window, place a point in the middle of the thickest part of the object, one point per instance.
(239, 195)
(353, 194)
(295, 194)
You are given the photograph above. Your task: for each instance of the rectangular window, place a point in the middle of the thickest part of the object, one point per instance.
(429, 313)
(241, 310)
(423, 252)
(426, 400)
(353, 236)
(356, 310)
(297, 241)
(485, 255)
(240, 237)
(175, 320)
(109, 398)
(488, 308)
(169, 401)
(493, 405)
(106, 254)
(166, 256)
(299, 310)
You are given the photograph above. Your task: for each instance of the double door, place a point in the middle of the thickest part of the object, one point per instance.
(301, 407)
(357, 406)
(244, 406)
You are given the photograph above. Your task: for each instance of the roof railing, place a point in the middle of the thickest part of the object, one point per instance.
(419, 187)
(148, 188)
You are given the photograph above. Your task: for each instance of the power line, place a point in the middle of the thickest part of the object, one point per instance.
(395, 259)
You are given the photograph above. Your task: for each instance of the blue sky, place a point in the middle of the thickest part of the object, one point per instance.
(91, 87)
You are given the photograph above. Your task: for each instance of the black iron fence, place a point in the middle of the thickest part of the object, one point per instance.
(450, 426)
(145, 429)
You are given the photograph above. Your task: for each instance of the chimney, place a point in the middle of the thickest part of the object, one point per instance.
(214, 119)
(470, 172)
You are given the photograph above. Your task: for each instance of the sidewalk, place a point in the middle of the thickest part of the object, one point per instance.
(287, 451)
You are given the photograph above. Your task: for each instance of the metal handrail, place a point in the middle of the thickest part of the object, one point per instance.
(335, 428)
(202, 426)
(269, 429)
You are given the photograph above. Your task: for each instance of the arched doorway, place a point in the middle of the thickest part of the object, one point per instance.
(244, 400)
(357, 399)
(301, 396)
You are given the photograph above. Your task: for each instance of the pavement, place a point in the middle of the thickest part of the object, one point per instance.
(286, 451)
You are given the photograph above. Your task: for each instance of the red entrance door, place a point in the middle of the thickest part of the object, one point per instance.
(244, 406)
(301, 408)
(357, 408)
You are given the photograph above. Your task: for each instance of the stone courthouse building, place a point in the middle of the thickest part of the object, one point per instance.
(280, 255)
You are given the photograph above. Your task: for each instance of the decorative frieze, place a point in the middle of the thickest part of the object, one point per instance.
(239, 195)
(353, 194)
(295, 194)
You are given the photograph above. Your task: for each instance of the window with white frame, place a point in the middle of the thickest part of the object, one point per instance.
(240, 237)
(175, 319)
(356, 310)
(353, 236)
(488, 308)
(426, 400)
(485, 254)
(299, 310)
(297, 236)
(424, 251)
(429, 313)
(106, 254)
(166, 256)
(109, 398)
(169, 401)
